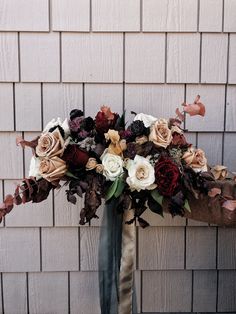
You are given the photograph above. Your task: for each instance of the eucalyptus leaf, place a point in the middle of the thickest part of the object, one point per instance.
(187, 206)
(157, 197)
(120, 187)
(112, 189)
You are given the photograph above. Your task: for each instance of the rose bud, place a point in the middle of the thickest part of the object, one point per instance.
(75, 157)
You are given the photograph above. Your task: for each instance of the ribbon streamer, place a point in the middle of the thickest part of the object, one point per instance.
(116, 262)
(109, 258)
(127, 265)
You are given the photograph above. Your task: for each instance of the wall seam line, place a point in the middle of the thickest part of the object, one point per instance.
(69, 292)
(19, 55)
(223, 15)
(60, 55)
(90, 16)
(198, 15)
(27, 292)
(141, 16)
(2, 294)
(42, 111)
(14, 105)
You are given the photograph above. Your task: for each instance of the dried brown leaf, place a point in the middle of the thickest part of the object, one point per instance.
(197, 108)
(214, 191)
(230, 205)
(179, 114)
(22, 142)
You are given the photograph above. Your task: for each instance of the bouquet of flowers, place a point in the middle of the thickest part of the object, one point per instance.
(141, 165)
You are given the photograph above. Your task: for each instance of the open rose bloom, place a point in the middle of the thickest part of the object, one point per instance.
(148, 164)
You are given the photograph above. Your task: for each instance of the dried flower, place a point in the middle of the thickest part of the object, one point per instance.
(75, 156)
(167, 176)
(160, 133)
(105, 120)
(220, 172)
(51, 144)
(91, 164)
(138, 128)
(52, 169)
(140, 174)
(113, 166)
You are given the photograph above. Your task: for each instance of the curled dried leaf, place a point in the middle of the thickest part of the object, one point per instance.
(23, 143)
(179, 114)
(197, 108)
(214, 191)
(230, 205)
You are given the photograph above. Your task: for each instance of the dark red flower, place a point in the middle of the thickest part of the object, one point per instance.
(105, 120)
(74, 156)
(179, 140)
(167, 176)
(75, 124)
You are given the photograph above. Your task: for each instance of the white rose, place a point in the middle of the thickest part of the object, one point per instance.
(34, 168)
(141, 174)
(147, 119)
(64, 125)
(113, 166)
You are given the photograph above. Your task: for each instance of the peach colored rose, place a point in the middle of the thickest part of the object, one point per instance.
(113, 136)
(160, 133)
(51, 144)
(188, 155)
(196, 159)
(219, 172)
(199, 162)
(116, 146)
(52, 169)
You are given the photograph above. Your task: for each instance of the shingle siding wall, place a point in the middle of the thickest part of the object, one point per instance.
(140, 55)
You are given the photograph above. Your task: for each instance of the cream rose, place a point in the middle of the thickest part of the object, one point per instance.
(141, 174)
(34, 168)
(112, 166)
(196, 159)
(52, 169)
(51, 144)
(160, 133)
(147, 119)
(54, 122)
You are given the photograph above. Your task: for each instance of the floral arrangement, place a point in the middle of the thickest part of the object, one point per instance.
(140, 165)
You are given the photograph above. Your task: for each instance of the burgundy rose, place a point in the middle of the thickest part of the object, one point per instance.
(74, 156)
(105, 120)
(178, 139)
(167, 176)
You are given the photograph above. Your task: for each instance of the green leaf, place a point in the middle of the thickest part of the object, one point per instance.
(186, 205)
(111, 190)
(157, 197)
(120, 123)
(120, 187)
(155, 207)
(69, 174)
